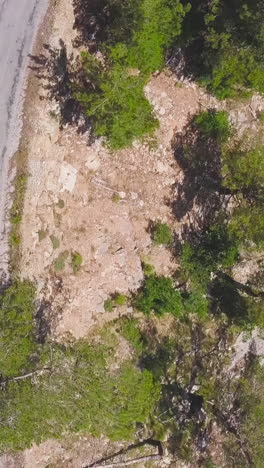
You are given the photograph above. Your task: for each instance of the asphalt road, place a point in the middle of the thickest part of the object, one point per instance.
(18, 24)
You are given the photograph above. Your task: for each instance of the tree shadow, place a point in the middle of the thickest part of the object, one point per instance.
(61, 75)
(198, 196)
(104, 21)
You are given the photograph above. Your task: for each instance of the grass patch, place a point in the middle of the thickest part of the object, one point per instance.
(120, 299)
(116, 300)
(17, 342)
(59, 263)
(61, 204)
(76, 261)
(55, 242)
(42, 235)
(116, 197)
(108, 305)
(130, 331)
(16, 211)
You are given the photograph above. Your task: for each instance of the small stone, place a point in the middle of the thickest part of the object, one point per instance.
(122, 194)
(162, 111)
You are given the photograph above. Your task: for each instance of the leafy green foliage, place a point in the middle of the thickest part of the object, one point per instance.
(122, 92)
(160, 25)
(196, 303)
(229, 39)
(158, 294)
(17, 341)
(161, 234)
(214, 124)
(81, 395)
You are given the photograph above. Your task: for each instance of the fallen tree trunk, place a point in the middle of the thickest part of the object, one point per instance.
(129, 462)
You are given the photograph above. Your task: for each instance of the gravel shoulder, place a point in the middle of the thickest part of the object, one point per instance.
(19, 21)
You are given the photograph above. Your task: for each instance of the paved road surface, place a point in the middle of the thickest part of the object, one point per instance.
(18, 23)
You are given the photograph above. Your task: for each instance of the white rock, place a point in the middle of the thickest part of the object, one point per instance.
(67, 178)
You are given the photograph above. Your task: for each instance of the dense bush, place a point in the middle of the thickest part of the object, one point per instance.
(215, 249)
(159, 295)
(161, 234)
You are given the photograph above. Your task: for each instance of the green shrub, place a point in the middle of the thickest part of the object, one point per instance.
(119, 299)
(158, 294)
(161, 234)
(148, 269)
(214, 124)
(17, 341)
(76, 261)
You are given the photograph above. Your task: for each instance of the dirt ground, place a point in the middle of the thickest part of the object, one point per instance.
(85, 199)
